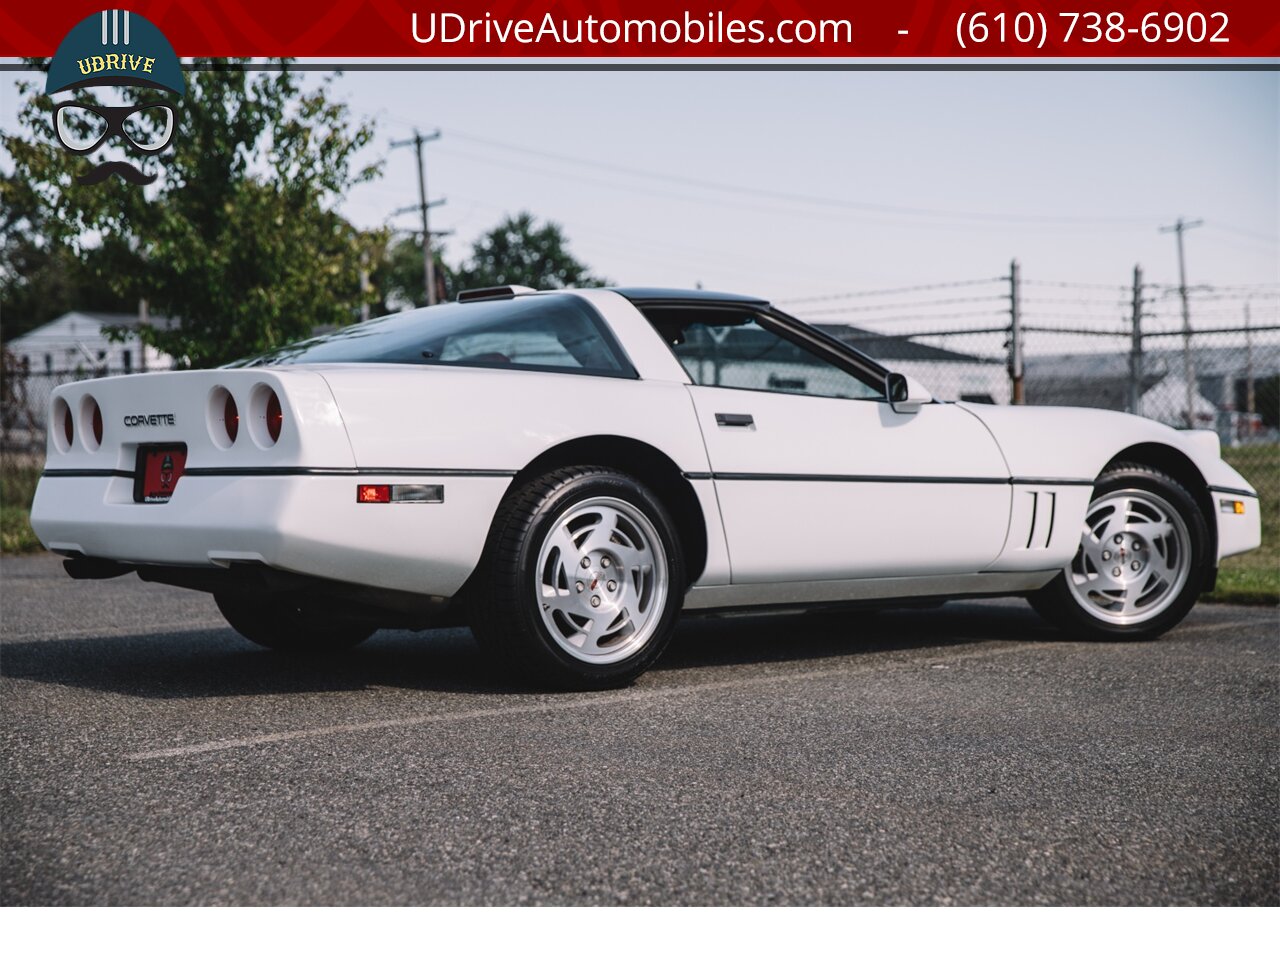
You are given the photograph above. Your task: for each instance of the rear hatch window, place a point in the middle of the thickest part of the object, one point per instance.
(556, 333)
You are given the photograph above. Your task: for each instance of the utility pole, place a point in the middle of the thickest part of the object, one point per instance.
(144, 320)
(1135, 352)
(1015, 332)
(428, 261)
(1250, 399)
(364, 286)
(1188, 368)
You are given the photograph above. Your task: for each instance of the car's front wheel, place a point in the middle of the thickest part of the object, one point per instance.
(1143, 559)
(288, 624)
(581, 582)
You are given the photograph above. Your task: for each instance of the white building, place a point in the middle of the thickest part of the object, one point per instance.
(75, 344)
(947, 374)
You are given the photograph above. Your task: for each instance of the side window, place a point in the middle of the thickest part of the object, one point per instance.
(731, 349)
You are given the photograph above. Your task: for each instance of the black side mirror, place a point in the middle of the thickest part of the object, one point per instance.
(895, 388)
(904, 394)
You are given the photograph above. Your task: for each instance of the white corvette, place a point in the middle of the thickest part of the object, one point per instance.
(566, 471)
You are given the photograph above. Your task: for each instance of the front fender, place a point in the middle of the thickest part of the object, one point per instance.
(1078, 442)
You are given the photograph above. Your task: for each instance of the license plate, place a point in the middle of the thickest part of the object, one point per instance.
(159, 470)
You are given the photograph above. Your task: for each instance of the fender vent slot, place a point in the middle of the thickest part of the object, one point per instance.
(1040, 529)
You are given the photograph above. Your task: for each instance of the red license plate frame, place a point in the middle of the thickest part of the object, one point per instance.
(160, 466)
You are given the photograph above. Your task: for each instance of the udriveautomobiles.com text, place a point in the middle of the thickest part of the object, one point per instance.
(712, 28)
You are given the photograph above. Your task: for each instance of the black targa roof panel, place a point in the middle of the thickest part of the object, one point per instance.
(647, 294)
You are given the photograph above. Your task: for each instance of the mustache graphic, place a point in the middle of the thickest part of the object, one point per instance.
(126, 171)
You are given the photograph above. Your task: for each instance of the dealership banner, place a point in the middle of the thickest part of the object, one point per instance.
(425, 30)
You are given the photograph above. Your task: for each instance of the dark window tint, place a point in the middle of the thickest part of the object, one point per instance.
(559, 333)
(729, 348)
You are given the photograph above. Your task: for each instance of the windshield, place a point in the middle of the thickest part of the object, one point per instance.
(558, 333)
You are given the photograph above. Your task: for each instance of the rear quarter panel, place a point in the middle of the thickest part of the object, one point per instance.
(452, 418)
(437, 422)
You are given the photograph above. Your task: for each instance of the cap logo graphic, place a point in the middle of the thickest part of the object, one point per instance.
(115, 48)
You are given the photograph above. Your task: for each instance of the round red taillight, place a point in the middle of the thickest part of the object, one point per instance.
(97, 424)
(275, 416)
(68, 426)
(231, 418)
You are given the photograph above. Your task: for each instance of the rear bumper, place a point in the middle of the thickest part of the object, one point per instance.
(309, 525)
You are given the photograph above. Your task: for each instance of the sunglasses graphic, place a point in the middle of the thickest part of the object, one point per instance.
(82, 127)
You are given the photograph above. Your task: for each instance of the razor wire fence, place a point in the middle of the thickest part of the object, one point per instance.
(1122, 346)
(25, 398)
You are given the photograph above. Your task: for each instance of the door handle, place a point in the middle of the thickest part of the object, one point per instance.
(735, 420)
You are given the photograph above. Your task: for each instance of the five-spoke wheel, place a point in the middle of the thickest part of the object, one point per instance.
(600, 581)
(1142, 561)
(1135, 555)
(581, 581)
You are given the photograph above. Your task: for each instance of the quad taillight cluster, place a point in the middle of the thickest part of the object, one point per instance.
(231, 418)
(266, 420)
(85, 422)
(265, 416)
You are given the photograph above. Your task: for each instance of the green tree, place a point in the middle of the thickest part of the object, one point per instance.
(40, 279)
(520, 251)
(399, 277)
(239, 237)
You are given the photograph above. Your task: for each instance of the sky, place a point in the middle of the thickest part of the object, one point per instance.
(801, 184)
(1071, 173)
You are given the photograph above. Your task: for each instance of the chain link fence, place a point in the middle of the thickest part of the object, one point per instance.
(1080, 346)
(24, 412)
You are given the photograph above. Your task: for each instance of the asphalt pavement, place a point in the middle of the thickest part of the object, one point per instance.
(962, 755)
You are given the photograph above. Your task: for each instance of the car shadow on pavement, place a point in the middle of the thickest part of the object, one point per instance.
(218, 663)
(740, 638)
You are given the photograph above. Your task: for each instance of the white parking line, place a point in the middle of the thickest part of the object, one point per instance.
(558, 705)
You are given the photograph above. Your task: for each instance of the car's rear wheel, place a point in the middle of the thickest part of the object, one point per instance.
(289, 624)
(1142, 561)
(581, 582)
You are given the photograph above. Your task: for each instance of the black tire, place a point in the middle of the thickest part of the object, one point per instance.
(503, 606)
(1057, 603)
(288, 624)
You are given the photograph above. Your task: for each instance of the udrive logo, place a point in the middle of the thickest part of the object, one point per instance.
(115, 48)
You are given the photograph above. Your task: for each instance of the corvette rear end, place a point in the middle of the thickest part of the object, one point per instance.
(185, 474)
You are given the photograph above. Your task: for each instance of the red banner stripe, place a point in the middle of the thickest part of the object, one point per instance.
(338, 29)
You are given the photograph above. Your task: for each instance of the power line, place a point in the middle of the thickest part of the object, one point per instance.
(579, 179)
(787, 196)
(1221, 288)
(1080, 301)
(1123, 290)
(1264, 237)
(872, 308)
(1119, 312)
(922, 316)
(895, 290)
(632, 189)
